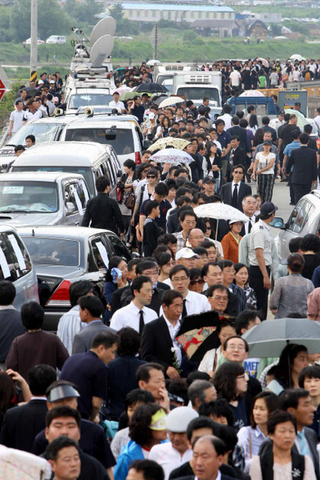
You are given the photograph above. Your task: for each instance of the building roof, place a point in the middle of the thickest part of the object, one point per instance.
(165, 6)
(214, 24)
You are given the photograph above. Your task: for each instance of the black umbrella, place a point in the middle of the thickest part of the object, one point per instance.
(151, 88)
(198, 334)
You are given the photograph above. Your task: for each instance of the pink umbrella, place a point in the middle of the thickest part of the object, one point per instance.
(265, 62)
(122, 89)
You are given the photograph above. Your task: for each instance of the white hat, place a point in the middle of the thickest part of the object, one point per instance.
(179, 418)
(234, 221)
(186, 253)
(41, 82)
(152, 116)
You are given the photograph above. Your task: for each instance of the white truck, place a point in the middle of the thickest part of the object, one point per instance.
(196, 86)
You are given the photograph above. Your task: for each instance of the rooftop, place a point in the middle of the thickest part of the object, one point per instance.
(165, 6)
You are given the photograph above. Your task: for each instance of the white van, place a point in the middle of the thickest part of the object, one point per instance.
(57, 39)
(89, 159)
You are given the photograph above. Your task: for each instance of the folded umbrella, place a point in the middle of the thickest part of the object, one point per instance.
(198, 334)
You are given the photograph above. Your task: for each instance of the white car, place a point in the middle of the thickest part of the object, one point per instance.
(57, 39)
(28, 41)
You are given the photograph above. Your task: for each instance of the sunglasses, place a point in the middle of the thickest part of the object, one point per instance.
(195, 282)
(151, 176)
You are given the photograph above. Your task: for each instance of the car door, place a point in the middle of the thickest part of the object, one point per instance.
(115, 246)
(16, 266)
(297, 222)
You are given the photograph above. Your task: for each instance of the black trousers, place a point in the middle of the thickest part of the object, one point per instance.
(256, 282)
(300, 190)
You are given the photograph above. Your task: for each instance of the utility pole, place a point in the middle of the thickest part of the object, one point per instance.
(34, 38)
(155, 56)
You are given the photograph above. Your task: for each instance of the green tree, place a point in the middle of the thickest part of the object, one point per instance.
(117, 11)
(52, 19)
(83, 12)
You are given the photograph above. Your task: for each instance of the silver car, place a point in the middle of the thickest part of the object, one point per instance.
(42, 198)
(64, 255)
(304, 218)
(16, 266)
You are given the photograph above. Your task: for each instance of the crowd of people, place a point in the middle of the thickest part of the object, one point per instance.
(118, 393)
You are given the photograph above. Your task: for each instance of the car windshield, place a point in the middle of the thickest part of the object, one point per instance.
(28, 197)
(85, 99)
(123, 143)
(44, 132)
(193, 93)
(85, 171)
(53, 251)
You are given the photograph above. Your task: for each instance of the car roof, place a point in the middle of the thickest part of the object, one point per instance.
(105, 123)
(38, 176)
(85, 153)
(62, 231)
(58, 119)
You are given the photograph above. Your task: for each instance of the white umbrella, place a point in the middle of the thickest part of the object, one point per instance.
(153, 62)
(297, 56)
(171, 101)
(172, 155)
(252, 93)
(220, 211)
(264, 62)
(173, 142)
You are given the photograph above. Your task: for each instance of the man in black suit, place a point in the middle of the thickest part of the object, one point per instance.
(208, 452)
(158, 336)
(234, 192)
(237, 156)
(22, 424)
(304, 163)
(102, 211)
(240, 132)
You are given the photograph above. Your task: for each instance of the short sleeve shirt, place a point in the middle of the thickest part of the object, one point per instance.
(260, 238)
(90, 375)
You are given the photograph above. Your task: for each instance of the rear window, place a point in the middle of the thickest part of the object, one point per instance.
(123, 143)
(85, 171)
(89, 99)
(55, 251)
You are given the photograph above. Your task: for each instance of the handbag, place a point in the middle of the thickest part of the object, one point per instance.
(130, 201)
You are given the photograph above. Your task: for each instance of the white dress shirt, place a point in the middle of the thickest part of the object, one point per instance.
(168, 457)
(238, 187)
(68, 327)
(173, 331)
(195, 303)
(119, 104)
(251, 221)
(129, 316)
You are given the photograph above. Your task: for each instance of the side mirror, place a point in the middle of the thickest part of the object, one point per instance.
(277, 222)
(70, 207)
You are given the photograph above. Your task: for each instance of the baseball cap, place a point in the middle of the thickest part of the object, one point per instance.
(267, 209)
(179, 418)
(281, 112)
(152, 116)
(158, 421)
(52, 81)
(186, 253)
(208, 180)
(267, 142)
(62, 391)
(41, 82)
(234, 221)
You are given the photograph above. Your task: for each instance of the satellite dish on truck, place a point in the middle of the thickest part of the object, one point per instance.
(106, 26)
(101, 49)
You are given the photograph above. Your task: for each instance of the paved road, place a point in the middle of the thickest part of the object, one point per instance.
(280, 198)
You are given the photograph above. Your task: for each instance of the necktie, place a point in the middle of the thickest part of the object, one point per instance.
(184, 310)
(304, 449)
(235, 196)
(141, 322)
(249, 226)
